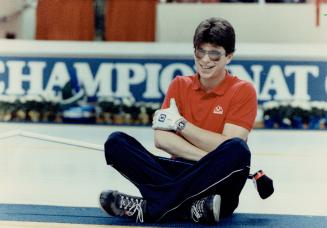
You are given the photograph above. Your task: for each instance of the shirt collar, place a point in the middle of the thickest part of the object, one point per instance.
(218, 90)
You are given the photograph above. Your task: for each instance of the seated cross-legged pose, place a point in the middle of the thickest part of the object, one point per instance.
(203, 123)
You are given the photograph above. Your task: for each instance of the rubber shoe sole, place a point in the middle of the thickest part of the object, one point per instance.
(216, 207)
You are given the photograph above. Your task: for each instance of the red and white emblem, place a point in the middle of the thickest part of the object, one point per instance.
(218, 110)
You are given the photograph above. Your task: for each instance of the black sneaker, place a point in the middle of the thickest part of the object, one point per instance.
(206, 210)
(119, 204)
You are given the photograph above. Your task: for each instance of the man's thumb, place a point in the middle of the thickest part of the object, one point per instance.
(173, 105)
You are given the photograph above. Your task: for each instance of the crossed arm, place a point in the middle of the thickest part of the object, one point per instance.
(193, 142)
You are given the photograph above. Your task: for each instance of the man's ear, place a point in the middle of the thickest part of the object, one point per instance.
(229, 57)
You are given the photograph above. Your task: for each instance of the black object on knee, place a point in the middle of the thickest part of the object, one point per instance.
(263, 184)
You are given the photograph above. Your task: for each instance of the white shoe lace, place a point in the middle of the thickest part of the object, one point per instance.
(197, 210)
(131, 206)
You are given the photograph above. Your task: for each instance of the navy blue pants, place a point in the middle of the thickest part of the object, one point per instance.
(171, 185)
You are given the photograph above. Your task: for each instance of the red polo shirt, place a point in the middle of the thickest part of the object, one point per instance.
(232, 101)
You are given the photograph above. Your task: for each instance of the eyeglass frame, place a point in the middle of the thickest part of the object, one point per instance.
(209, 53)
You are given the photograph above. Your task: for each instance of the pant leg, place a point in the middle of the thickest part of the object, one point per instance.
(175, 166)
(167, 188)
(133, 161)
(223, 171)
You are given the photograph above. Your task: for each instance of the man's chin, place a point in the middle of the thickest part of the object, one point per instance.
(205, 75)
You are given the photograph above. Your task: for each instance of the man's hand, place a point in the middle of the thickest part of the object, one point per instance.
(167, 119)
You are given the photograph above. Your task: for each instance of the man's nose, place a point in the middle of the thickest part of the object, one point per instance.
(206, 58)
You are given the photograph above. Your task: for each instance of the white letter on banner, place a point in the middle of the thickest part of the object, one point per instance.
(152, 82)
(2, 84)
(36, 74)
(275, 81)
(59, 77)
(168, 73)
(128, 74)
(102, 79)
(241, 73)
(16, 77)
(301, 74)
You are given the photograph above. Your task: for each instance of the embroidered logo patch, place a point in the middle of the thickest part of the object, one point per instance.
(218, 110)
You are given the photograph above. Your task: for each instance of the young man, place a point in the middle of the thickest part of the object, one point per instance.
(204, 124)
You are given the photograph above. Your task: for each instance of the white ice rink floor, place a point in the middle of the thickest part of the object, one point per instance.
(33, 171)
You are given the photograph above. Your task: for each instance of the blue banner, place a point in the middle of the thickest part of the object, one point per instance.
(148, 79)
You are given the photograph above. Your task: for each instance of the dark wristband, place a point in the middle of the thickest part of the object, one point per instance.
(181, 125)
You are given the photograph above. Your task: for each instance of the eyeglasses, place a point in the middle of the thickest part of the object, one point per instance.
(213, 55)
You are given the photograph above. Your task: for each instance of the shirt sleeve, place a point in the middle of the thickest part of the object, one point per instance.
(243, 107)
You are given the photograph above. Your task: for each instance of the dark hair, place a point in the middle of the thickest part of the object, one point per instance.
(216, 31)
